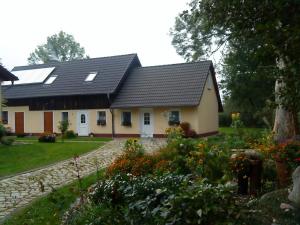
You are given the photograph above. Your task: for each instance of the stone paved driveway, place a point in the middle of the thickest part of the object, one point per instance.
(19, 190)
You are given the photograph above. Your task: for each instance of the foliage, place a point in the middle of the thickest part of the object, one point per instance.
(224, 119)
(240, 164)
(174, 133)
(47, 137)
(69, 134)
(61, 47)
(2, 131)
(246, 30)
(168, 199)
(188, 132)
(7, 140)
(63, 126)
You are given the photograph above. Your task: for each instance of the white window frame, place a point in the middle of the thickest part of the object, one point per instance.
(51, 79)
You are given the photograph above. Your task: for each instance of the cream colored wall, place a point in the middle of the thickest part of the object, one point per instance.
(135, 121)
(34, 120)
(208, 118)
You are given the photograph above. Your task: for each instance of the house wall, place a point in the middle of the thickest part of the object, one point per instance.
(202, 118)
(208, 118)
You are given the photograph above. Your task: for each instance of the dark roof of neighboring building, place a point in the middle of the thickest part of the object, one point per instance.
(166, 85)
(71, 77)
(5, 75)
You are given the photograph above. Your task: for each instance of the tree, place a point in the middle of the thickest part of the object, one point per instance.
(249, 27)
(63, 126)
(61, 47)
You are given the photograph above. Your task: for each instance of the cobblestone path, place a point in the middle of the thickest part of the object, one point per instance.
(19, 190)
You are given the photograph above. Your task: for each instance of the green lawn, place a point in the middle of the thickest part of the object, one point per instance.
(49, 209)
(20, 158)
(35, 138)
(230, 130)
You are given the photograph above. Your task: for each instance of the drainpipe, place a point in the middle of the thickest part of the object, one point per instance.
(112, 117)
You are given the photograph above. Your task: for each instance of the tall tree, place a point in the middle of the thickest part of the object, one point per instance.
(61, 47)
(272, 27)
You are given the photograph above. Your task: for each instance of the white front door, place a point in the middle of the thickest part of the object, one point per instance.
(82, 123)
(147, 123)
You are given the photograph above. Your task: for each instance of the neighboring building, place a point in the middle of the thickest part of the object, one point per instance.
(113, 96)
(5, 75)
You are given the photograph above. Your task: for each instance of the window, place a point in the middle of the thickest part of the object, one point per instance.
(82, 118)
(174, 118)
(126, 118)
(4, 117)
(91, 76)
(65, 116)
(146, 118)
(51, 79)
(101, 118)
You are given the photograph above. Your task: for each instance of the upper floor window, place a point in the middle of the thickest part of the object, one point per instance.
(4, 117)
(174, 117)
(126, 118)
(101, 120)
(91, 76)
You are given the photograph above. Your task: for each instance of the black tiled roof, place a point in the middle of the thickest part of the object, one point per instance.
(166, 85)
(71, 76)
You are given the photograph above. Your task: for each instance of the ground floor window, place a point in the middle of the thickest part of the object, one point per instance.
(4, 117)
(174, 117)
(65, 116)
(101, 120)
(126, 118)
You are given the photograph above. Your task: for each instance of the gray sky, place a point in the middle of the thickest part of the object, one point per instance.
(102, 27)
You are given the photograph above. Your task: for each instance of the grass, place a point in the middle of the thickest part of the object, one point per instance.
(48, 210)
(79, 139)
(19, 158)
(230, 130)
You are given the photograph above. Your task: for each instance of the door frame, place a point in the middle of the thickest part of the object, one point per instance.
(142, 111)
(86, 119)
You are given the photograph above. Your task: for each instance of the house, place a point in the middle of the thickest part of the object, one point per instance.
(113, 96)
(5, 75)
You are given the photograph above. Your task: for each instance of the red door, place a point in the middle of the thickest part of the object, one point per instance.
(19, 122)
(48, 122)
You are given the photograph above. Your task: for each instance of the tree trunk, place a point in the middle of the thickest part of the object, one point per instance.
(284, 125)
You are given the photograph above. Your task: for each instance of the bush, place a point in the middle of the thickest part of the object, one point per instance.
(8, 131)
(21, 135)
(7, 140)
(169, 199)
(224, 120)
(187, 131)
(47, 137)
(70, 134)
(2, 131)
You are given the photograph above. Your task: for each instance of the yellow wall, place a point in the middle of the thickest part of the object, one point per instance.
(208, 111)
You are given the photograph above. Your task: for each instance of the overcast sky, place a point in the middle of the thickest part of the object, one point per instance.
(102, 27)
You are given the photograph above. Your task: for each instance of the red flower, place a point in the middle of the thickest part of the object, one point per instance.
(297, 159)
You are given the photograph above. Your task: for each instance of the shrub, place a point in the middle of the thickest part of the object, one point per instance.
(21, 135)
(169, 199)
(47, 137)
(8, 131)
(174, 133)
(187, 131)
(2, 131)
(7, 140)
(70, 134)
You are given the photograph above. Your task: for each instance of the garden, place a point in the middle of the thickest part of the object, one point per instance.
(231, 178)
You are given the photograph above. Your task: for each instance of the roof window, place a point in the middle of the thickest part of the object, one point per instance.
(91, 76)
(51, 79)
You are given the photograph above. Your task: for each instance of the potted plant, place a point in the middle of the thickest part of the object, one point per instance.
(101, 122)
(126, 123)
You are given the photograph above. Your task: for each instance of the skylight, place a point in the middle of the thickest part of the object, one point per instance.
(91, 76)
(51, 79)
(31, 76)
